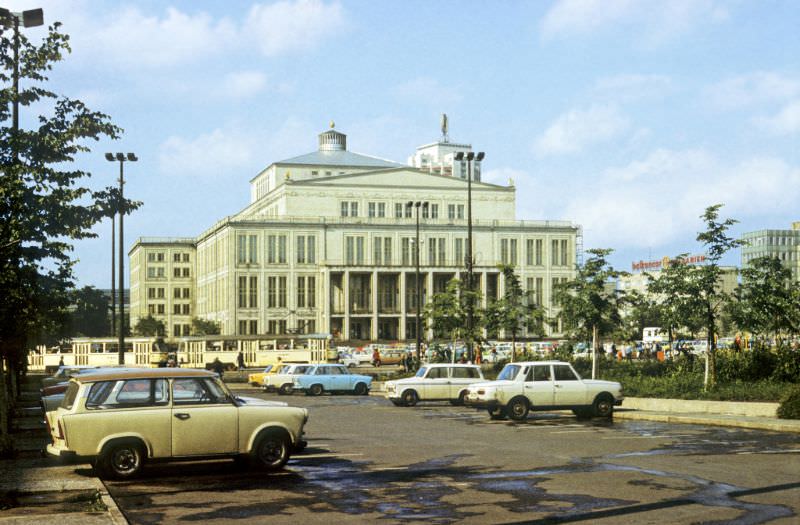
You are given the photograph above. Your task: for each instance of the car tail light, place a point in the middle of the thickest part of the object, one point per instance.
(60, 430)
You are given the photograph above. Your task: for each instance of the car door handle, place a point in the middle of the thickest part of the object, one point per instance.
(558, 386)
(182, 416)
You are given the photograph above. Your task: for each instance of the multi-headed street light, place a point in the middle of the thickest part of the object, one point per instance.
(469, 260)
(417, 205)
(121, 158)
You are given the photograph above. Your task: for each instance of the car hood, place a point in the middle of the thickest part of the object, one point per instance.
(253, 401)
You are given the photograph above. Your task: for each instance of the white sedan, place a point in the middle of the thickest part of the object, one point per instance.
(434, 382)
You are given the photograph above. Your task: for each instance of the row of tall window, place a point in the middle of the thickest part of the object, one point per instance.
(159, 257)
(401, 210)
(277, 326)
(247, 249)
(247, 291)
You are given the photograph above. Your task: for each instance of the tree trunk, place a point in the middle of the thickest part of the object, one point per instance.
(594, 351)
(513, 342)
(6, 445)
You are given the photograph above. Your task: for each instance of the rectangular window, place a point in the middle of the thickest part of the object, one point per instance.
(151, 293)
(301, 292)
(424, 213)
(253, 292)
(377, 252)
(554, 252)
(563, 252)
(381, 209)
(160, 309)
(350, 250)
(406, 249)
(272, 292)
(151, 257)
(513, 252)
(185, 309)
(460, 209)
(176, 293)
(408, 211)
(434, 211)
(151, 309)
(253, 327)
(176, 309)
(539, 294)
(398, 210)
(311, 249)
(504, 251)
(252, 247)
(185, 293)
(345, 208)
(160, 293)
(242, 291)
(176, 257)
(529, 252)
(272, 249)
(371, 209)
(176, 272)
(281, 292)
(359, 250)
(431, 251)
(459, 251)
(311, 290)
(539, 249)
(354, 209)
(185, 257)
(281, 249)
(301, 249)
(451, 211)
(442, 252)
(242, 327)
(387, 250)
(185, 272)
(241, 249)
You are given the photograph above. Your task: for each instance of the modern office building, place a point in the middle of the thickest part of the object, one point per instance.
(327, 244)
(783, 244)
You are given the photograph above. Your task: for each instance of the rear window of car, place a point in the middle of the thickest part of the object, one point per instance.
(564, 373)
(128, 393)
(69, 397)
(464, 372)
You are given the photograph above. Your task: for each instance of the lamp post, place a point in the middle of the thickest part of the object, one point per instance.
(417, 205)
(31, 18)
(469, 259)
(113, 294)
(121, 158)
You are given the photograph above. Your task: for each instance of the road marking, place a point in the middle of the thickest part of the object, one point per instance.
(388, 468)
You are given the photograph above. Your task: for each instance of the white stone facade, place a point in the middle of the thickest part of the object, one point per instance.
(327, 245)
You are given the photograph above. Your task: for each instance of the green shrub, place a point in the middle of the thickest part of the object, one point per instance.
(790, 404)
(751, 365)
(787, 365)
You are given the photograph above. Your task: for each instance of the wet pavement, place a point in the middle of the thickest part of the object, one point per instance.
(369, 461)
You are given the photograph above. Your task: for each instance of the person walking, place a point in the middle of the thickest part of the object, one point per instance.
(218, 367)
(240, 362)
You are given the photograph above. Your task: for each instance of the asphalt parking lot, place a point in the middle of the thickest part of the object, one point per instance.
(368, 460)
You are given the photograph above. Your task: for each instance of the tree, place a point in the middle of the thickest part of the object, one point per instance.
(767, 299)
(43, 204)
(89, 318)
(587, 305)
(149, 326)
(641, 311)
(446, 312)
(514, 311)
(679, 301)
(205, 327)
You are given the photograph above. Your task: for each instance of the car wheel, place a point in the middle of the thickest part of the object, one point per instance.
(121, 460)
(286, 389)
(410, 398)
(582, 413)
(360, 389)
(518, 409)
(316, 390)
(603, 406)
(271, 451)
(497, 413)
(460, 400)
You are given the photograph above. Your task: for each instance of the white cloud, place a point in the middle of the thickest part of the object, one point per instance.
(752, 89)
(653, 21)
(657, 200)
(428, 91)
(213, 154)
(288, 26)
(632, 87)
(244, 84)
(785, 122)
(577, 129)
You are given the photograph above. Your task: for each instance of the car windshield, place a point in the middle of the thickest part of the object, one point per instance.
(421, 371)
(509, 372)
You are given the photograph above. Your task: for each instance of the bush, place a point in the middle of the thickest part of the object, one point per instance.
(752, 365)
(790, 404)
(787, 365)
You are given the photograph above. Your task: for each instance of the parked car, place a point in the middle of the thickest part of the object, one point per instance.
(331, 378)
(349, 360)
(544, 385)
(283, 381)
(389, 357)
(434, 382)
(120, 420)
(63, 374)
(257, 378)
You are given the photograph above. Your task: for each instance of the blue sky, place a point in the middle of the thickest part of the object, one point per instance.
(628, 117)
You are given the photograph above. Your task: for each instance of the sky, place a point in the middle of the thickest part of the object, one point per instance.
(626, 117)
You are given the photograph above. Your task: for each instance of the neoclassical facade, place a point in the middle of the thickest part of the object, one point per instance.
(327, 245)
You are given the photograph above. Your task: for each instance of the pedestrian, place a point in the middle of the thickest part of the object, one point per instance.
(240, 362)
(376, 358)
(61, 361)
(629, 353)
(218, 367)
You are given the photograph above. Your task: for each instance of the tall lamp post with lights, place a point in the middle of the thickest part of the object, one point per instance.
(122, 159)
(417, 205)
(469, 259)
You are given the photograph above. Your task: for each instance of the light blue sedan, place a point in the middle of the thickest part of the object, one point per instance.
(331, 378)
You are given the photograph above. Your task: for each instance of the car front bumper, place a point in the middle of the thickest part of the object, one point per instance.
(477, 402)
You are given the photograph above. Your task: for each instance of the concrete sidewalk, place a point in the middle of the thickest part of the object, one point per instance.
(36, 489)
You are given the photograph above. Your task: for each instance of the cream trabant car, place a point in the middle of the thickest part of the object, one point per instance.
(283, 381)
(119, 420)
(544, 385)
(434, 382)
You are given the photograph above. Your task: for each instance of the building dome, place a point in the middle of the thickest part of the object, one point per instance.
(332, 140)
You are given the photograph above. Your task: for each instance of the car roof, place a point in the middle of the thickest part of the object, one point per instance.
(441, 365)
(144, 373)
(539, 363)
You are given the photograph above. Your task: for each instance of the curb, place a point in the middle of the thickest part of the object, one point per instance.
(720, 420)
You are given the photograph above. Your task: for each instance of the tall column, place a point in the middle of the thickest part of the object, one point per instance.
(403, 312)
(346, 316)
(374, 301)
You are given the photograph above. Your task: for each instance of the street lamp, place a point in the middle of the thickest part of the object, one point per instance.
(121, 158)
(31, 18)
(469, 259)
(417, 205)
